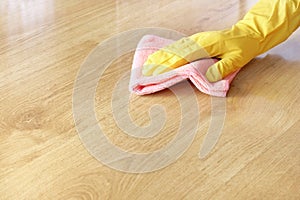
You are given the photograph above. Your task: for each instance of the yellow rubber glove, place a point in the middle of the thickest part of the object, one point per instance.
(267, 24)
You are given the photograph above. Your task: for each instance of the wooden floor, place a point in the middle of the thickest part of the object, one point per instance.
(44, 43)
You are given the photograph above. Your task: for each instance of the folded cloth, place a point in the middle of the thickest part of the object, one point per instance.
(195, 71)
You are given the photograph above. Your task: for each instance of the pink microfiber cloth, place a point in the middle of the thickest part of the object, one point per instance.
(194, 71)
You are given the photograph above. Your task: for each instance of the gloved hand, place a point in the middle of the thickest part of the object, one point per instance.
(267, 24)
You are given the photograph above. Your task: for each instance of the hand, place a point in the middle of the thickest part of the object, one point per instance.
(267, 24)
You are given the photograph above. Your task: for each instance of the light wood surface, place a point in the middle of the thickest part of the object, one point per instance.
(44, 43)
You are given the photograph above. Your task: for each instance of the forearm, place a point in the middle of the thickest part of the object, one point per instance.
(267, 24)
(271, 21)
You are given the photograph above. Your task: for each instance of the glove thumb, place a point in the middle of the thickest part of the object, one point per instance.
(219, 70)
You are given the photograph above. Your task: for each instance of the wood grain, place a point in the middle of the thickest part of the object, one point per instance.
(43, 44)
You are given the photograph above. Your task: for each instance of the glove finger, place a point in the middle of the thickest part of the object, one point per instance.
(173, 56)
(160, 62)
(209, 43)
